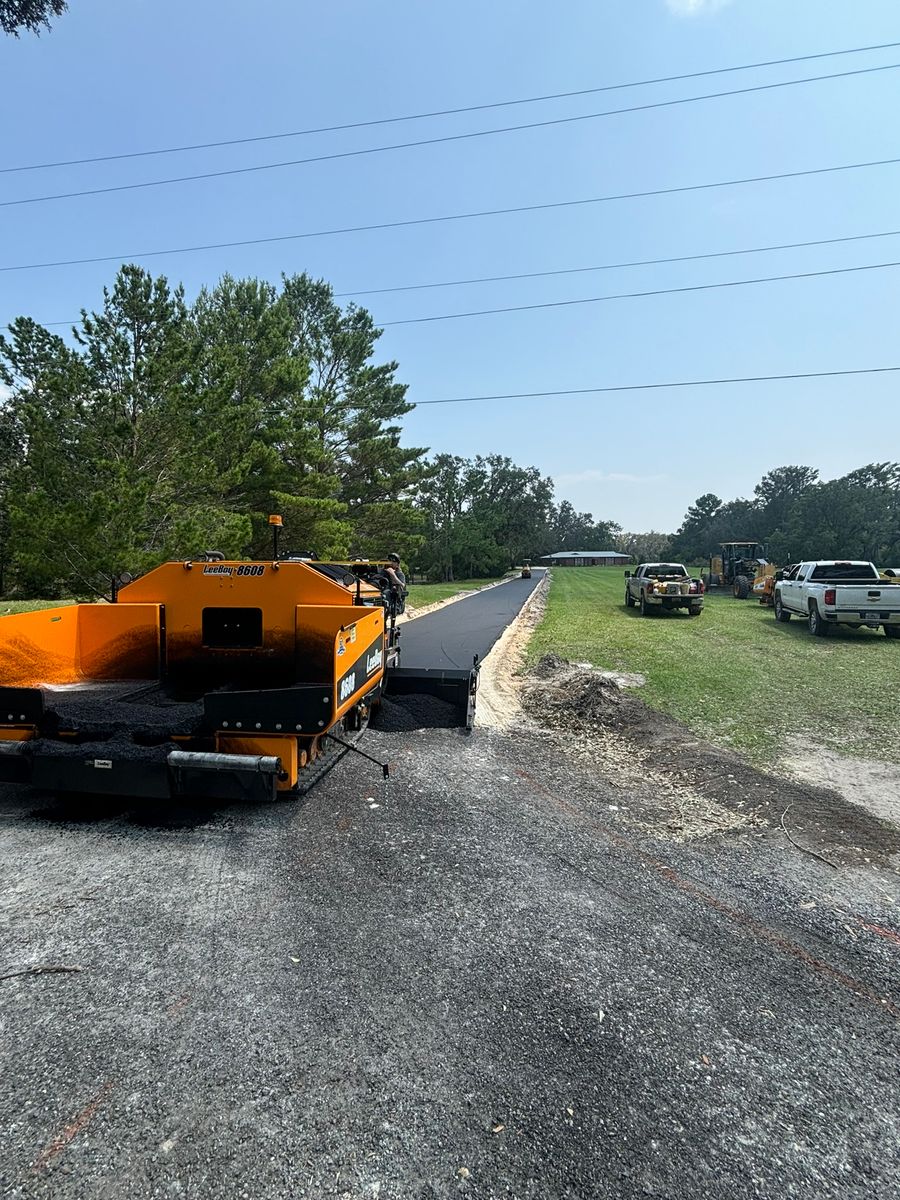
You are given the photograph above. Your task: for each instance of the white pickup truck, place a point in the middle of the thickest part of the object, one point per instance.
(829, 593)
(656, 586)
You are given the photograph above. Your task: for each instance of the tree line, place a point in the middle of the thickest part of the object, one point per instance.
(164, 428)
(167, 428)
(486, 513)
(798, 516)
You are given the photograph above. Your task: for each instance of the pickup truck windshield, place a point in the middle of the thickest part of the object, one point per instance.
(659, 569)
(844, 573)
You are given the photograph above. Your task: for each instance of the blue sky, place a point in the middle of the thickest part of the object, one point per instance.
(115, 76)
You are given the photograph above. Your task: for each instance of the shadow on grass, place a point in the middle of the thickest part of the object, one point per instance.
(654, 613)
(840, 634)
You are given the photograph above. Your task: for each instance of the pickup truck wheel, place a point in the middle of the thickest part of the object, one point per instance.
(781, 613)
(892, 631)
(645, 607)
(817, 626)
(741, 587)
(694, 612)
(629, 599)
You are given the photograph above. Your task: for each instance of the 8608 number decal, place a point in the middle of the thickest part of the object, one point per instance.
(244, 569)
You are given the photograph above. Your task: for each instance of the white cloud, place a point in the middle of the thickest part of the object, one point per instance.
(594, 476)
(694, 8)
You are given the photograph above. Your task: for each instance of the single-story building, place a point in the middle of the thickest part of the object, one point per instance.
(587, 558)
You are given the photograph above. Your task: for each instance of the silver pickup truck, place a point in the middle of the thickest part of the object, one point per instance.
(656, 586)
(829, 593)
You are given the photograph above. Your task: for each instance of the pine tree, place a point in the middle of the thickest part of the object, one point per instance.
(351, 413)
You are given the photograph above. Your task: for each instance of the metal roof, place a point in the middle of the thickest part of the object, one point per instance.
(588, 554)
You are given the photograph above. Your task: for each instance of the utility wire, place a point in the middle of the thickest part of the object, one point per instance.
(446, 112)
(451, 137)
(671, 383)
(466, 216)
(613, 266)
(672, 291)
(696, 287)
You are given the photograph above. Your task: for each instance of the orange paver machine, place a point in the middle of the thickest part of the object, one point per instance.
(237, 680)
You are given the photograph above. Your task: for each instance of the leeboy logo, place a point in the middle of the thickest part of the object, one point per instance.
(218, 570)
(373, 661)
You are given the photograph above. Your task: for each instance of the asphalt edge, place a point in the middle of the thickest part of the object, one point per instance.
(500, 683)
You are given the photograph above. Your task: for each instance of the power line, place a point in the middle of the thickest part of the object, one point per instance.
(697, 287)
(641, 262)
(467, 216)
(446, 112)
(452, 137)
(672, 291)
(613, 266)
(671, 383)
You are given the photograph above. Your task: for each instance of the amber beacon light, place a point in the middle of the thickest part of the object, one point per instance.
(276, 522)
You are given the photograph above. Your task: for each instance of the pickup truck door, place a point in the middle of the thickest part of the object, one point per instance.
(634, 583)
(791, 590)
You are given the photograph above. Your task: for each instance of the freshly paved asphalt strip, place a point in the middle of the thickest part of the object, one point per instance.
(453, 635)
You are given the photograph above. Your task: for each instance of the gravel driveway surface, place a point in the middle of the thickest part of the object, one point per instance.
(475, 980)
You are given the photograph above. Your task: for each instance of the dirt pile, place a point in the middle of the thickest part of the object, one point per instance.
(688, 785)
(563, 690)
(558, 691)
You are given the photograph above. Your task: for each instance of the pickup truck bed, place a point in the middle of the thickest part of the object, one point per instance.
(829, 592)
(662, 587)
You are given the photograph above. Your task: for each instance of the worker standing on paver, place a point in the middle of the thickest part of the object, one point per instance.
(398, 581)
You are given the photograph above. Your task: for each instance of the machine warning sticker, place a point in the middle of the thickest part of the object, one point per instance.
(359, 673)
(243, 571)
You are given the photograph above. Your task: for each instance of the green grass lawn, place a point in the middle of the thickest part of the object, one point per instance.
(733, 674)
(421, 594)
(18, 606)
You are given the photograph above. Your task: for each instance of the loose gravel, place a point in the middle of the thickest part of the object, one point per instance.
(469, 981)
(102, 713)
(398, 714)
(479, 978)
